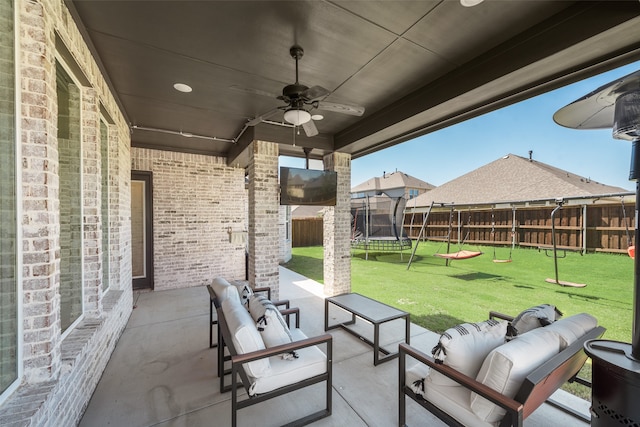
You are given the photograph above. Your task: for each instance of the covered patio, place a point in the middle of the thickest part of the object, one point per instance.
(163, 373)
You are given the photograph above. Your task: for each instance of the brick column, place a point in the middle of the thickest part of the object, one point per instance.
(264, 245)
(336, 229)
(40, 196)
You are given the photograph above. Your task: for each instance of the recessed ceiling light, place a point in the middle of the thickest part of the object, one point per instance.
(182, 87)
(317, 117)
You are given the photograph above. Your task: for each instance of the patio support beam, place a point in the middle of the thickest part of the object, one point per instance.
(263, 216)
(336, 228)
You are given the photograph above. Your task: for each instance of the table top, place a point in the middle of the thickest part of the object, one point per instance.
(367, 308)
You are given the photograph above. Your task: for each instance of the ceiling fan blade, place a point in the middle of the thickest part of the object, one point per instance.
(310, 128)
(258, 119)
(314, 92)
(252, 91)
(354, 110)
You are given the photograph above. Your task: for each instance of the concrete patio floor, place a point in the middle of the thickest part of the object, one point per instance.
(163, 373)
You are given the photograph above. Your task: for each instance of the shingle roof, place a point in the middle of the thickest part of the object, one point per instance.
(513, 178)
(390, 181)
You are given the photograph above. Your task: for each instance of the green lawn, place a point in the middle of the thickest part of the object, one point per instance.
(439, 297)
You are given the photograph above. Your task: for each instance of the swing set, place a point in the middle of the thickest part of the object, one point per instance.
(448, 256)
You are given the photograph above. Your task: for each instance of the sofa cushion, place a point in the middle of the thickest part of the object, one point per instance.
(270, 323)
(224, 290)
(573, 327)
(312, 362)
(465, 346)
(245, 336)
(506, 367)
(455, 402)
(532, 318)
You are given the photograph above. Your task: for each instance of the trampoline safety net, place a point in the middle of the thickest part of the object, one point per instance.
(376, 224)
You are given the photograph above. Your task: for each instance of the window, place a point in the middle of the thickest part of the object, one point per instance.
(70, 193)
(104, 155)
(413, 192)
(9, 284)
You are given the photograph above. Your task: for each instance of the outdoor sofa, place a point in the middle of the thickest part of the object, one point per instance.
(495, 373)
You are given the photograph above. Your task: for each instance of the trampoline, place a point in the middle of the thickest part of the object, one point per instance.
(374, 225)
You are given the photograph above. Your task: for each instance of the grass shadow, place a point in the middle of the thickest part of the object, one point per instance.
(437, 322)
(477, 276)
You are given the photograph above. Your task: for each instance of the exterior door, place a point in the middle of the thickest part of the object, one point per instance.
(142, 230)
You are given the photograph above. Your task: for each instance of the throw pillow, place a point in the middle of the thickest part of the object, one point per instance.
(465, 346)
(244, 291)
(532, 318)
(270, 323)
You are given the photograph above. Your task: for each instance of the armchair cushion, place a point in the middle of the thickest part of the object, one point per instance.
(506, 367)
(312, 362)
(465, 346)
(245, 336)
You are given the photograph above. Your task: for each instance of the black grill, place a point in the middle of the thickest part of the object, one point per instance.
(615, 384)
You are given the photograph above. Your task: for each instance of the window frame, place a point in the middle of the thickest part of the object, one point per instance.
(76, 81)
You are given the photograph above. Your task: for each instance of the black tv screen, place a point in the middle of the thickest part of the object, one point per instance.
(307, 187)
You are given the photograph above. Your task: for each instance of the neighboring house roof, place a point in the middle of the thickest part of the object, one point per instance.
(304, 211)
(389, 181)
(513, 178)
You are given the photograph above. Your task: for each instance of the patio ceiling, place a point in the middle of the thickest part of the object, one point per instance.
(415, 66)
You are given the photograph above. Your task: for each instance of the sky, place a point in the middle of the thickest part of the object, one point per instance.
(446, 154)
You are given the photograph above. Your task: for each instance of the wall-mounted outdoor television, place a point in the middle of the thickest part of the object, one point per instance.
(307, 187)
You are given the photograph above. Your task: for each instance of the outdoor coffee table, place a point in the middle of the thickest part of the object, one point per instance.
(373, 312)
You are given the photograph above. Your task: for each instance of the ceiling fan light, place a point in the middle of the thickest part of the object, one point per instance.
(297, 117)
(470, 3)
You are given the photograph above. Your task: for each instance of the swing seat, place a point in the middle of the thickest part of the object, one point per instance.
(459, 255)
(563, 283)
(632, 252)
(501, 260)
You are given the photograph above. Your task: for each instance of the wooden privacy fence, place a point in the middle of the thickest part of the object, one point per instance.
(586, 228)
(306, 232)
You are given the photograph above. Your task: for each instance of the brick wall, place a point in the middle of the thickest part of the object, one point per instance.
(337, 229)
(60, 372)
(198, 207)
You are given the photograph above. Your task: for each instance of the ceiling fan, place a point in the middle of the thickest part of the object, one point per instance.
(301, 99)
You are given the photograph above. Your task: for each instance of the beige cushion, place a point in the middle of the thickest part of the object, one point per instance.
(312, 362)
(455, 402)
(245, 336)
(465, 346)
(506, 367)
(573, 327)
(224, 290)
